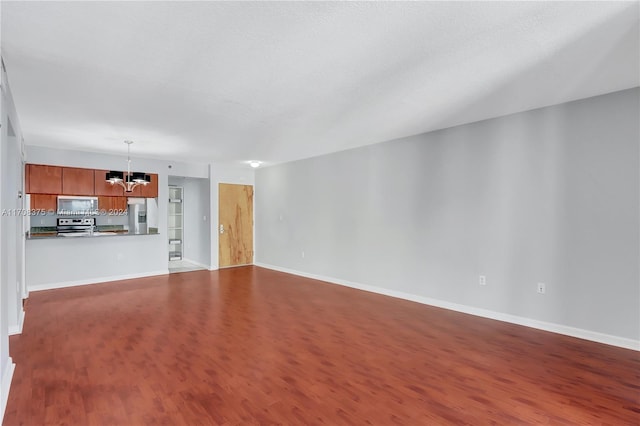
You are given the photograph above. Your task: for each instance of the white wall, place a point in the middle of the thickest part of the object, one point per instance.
(102, 258)
(550, 195)
(11, 235)
(222, 173)
(200, 171)
(93, 260)
(11, 222)
(196, 219)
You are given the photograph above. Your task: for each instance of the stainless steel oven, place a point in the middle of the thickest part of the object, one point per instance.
(75, 226)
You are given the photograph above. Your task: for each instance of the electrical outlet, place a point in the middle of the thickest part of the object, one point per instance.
(542, 288)
(482, 280)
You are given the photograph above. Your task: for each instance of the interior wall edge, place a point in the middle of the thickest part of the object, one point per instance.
(17, 329)
(7, 375)
(579, 333)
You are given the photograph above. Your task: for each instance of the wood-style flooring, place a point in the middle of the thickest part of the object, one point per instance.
(249, 346)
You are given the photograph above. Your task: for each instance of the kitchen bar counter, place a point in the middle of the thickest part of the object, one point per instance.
(99, 233)
(100, 258)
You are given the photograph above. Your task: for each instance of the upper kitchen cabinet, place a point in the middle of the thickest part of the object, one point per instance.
(43, 179)
(77, 181)
(149, 190)
(102, 187)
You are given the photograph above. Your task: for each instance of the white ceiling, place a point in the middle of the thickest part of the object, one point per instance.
(234, 81)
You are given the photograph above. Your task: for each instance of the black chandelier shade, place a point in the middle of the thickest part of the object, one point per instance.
(114, 176)
(137, 177)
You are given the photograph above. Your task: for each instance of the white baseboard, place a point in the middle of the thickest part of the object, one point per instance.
(236, 266)
(594, 336)
(7, 375)
(50, 286)
(17, 329)
(202, 265)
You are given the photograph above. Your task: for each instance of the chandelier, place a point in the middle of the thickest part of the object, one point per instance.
(129, 180)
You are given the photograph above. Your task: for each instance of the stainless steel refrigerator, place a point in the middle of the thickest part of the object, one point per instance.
(137, 215)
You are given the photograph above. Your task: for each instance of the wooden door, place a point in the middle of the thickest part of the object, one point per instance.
(235, 225)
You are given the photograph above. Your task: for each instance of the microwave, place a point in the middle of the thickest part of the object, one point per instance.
(74, 205)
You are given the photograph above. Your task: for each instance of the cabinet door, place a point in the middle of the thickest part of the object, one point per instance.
(102, 187)
(120, 203)
(44, 202)
(104, 204)
(44, 179)
(77, 181)
(112, 205)
(149, 190)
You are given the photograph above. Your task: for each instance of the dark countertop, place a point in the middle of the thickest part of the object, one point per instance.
(47, 235)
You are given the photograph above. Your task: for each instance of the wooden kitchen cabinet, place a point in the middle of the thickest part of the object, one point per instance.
(77, 181)
(46, 202)
(102, 187)
(112, 205)
(149, 190)
(104, 203)
(43, 179)
(120, 203)
(56, 180)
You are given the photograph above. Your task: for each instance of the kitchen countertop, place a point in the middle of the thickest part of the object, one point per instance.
(47, 235)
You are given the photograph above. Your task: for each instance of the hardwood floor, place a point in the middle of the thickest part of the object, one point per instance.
(253, 346)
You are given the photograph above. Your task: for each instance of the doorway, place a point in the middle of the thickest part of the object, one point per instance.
(235, 225)
(188, 223)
